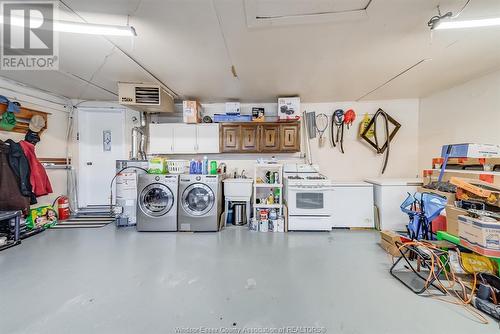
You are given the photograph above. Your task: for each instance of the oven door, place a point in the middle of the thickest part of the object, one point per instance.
(309, 200)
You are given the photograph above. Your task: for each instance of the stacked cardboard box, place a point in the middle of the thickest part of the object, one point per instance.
(480, 236)
(450, 197)
(489, 177)
(191, 111)
(388, 242)
(452, 213)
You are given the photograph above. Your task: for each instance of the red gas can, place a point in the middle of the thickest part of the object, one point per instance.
(63, 208)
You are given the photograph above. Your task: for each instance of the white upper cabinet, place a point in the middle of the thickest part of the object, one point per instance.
(208, 138)
(180, 138)
(185, 138)
(161, 138)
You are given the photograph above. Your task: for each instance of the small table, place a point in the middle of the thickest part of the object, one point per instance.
(13, 221)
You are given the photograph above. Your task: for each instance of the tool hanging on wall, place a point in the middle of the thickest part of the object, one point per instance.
(364, 124)
(340, 120)
(307, 128)
(389, 135)
(321, 126)
(349, 117)
(310, 118)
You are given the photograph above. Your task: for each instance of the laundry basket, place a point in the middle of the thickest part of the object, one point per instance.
(177, 166)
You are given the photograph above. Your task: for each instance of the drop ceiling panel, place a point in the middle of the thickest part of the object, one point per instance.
(277, 8)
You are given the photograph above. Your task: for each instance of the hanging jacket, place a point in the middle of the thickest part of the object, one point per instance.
(21, 168)
(10, 194)
(39, 180)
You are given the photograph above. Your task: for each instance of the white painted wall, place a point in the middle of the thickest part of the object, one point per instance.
(468, 113)
(359, 160)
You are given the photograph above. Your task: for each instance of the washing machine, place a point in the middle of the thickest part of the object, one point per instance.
(157, 202)
(199, 203)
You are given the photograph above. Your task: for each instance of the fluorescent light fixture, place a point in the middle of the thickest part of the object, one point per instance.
(79, 28)
(468, 24)
(94, 29)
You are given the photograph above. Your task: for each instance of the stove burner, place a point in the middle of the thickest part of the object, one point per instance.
(295, 177)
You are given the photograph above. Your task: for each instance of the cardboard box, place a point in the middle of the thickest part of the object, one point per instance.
(452, 213)
(479, 236)
(450, 197)
(258, 114)
(390, 236)
(289, 108)
(232, 108)
(390, 248)
(472, 151)
(191, 111)
(388, 242)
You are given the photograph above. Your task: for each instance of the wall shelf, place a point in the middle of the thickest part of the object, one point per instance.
(23, 118)
(268, 185)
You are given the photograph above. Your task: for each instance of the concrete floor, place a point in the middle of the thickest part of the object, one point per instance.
(119, 281)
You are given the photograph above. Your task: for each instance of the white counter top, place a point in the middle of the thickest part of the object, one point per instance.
(349, 183)
(396, 181)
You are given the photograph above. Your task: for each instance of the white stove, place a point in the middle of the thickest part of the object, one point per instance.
(308, 195)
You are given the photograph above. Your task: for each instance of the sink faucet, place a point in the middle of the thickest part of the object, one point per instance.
(242, 174)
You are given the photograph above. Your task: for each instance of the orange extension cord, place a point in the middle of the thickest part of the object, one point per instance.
(436, 263)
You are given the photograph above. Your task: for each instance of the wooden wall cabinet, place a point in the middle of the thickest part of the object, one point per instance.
(250, 138)
(230, 138)
(269, 137)
(290, 138)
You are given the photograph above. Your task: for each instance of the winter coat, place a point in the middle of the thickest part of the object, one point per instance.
(39, 180)
(10, 194)
(21, 168)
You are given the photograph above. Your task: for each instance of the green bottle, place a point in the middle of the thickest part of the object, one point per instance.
(213, 167)
(276, 196)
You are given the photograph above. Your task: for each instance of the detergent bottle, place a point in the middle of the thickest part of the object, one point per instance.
(192, 167)
(204, 168)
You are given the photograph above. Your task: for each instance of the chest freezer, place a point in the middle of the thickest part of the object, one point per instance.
(352, 204)
(388, 194)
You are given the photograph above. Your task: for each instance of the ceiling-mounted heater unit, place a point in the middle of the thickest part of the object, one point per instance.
(145, 97)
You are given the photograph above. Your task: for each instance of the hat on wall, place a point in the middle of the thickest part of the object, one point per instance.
(8, 121)
(32, 137)
(37, 123)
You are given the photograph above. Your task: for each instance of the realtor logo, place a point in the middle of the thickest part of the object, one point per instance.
(28, 38)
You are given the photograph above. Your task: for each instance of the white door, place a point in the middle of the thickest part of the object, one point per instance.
(101, 142)
(208, 138)
(161, 138)
(185, 138)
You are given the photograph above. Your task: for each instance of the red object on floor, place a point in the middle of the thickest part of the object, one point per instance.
(63, 211)
(38, 177)
(439, 224)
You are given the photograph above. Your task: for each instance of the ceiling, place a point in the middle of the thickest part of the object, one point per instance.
(323, 50)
